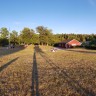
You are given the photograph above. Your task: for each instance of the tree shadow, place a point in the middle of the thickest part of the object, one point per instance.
(7, 64)
(4, 51)
(38, 49)
(35, 81)
(74, 84)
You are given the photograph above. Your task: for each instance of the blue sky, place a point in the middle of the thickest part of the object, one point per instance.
(62, 16)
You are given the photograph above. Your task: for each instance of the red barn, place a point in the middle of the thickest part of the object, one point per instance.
(69, 43)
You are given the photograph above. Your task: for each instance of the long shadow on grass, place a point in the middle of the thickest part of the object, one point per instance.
(7, 64)
(73, 84)
(35, 82)
(4, 51)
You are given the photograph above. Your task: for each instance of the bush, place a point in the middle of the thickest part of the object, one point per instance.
(4, 42)
(92, 45)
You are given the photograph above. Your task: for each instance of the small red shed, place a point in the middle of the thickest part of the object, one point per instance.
(69, 43)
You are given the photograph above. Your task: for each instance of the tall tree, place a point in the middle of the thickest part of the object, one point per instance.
(4, 36)
(44, 35)
(14, 37)
(40, 30)
(35, 37)
(4, 32)
(26, 35)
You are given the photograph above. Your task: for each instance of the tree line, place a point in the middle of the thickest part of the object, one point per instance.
(41, 35)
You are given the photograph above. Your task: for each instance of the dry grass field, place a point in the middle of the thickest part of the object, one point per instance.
(36, 71)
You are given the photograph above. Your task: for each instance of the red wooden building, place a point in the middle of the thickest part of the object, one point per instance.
(69, 43)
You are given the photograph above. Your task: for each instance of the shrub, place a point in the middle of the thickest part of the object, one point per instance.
(4, 42)
(91, 45)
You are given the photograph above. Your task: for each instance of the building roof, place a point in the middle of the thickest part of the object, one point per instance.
(68, 40)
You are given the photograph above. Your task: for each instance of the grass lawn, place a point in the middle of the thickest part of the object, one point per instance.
(36, 71)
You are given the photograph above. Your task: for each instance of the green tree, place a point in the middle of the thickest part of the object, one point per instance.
(4, 32)
(35, 39)
(4, 36)
(14, 37)
(44, 35)
(26, 35)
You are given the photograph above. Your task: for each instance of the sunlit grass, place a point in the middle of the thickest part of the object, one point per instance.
(60, 73)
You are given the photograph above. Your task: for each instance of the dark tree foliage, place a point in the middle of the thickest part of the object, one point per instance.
(14, 37)
(43, 36)
(4, 36)
(28, 36)
(4, 32)
(4, 42)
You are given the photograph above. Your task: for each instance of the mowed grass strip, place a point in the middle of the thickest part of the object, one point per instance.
(46, 73)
